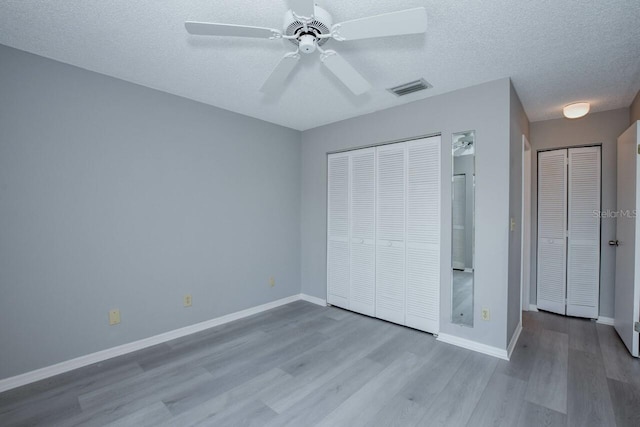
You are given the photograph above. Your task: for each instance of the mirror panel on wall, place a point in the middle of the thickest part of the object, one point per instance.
(463, 227)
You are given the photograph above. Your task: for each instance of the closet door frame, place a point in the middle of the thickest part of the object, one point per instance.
(568, 308)
(431, 326)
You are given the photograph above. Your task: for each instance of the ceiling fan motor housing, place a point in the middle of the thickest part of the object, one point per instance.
(307, 39)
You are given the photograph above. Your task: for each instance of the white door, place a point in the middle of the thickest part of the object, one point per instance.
(627, 292)
(423, 234)
(338, 270)
(363, 229)
(390, 233)
(459, 215)
(583, 255)
(552, 226)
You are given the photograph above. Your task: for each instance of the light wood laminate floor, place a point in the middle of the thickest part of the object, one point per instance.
(305, 365)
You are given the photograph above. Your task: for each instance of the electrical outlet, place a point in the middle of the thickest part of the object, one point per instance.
(114, 317)
(187, 300)
(486, 314)
(513, 224)
(272, 281)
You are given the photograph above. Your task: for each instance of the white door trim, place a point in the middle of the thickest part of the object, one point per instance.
(525, 238)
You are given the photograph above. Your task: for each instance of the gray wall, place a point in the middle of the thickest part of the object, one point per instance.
(484, 108)
(634, 109)
(594, 129)
(113, 195)
(518, 126)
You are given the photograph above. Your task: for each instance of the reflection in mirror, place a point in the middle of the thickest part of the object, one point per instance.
(463, 227)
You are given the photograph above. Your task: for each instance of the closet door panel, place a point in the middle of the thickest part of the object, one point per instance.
(423, 234)
(338, 268)
(583, 266)
(363, 216)
(552, 226)
(390, 233)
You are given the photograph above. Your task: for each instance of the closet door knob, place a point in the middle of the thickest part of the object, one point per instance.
(614, 243)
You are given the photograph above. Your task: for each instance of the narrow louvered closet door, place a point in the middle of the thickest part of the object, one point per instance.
(552, 226)
(583, 264)
(338, 230)
(423, 234)
(390, 233)
(363, 229)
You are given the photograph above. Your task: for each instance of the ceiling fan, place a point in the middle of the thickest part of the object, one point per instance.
(309, 27)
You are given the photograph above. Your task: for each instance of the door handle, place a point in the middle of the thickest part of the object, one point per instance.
(614, 243)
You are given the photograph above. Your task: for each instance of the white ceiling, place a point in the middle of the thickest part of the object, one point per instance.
(556, 52)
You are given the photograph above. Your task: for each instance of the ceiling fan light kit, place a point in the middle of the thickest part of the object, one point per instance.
(309, 27)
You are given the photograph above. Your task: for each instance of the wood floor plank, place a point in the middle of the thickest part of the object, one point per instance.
(619, 364)
(405, 339)
(412, 402)
(523, 357)
(324, 400)
(588, 401)
(212, 410)
(313, 368)
(625, 398)
(583, 335)
(533, 415)
(501, 402)
(555, 322)
(127, 401)
(548, 380)
(150, 416)
(355, 411)
(231, 375)
(62, 399)
(457, 401)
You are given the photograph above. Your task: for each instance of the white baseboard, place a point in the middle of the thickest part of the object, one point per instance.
(605, 320)
(313, 300)
(533, 307)
(89, 359)
(514, 340)
(475, 346)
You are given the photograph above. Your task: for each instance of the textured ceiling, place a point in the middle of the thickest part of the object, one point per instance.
(556, 52)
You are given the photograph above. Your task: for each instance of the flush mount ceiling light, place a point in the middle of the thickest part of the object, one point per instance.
(576, 110)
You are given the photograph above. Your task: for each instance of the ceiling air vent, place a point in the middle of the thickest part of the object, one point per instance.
(410, 87)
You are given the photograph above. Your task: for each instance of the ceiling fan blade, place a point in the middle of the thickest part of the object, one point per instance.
(348, 75)
(303, 7)
(279, 74)
(230, 30)
(410, 21)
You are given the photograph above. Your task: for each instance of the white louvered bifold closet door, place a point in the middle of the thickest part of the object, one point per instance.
(552, 226)
(390, 232)
(459, 215)
(338, 230)
(363, 229)
(423, 234)
(583, 264)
